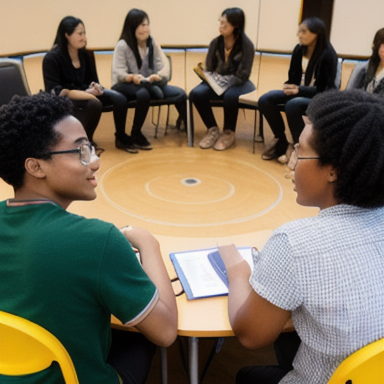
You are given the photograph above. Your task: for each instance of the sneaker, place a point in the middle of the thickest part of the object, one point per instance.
(286, 158)
(292, 160)
(210, 138)
(282, 159)
(269, 151)
(226, 140)
(180, 124)
(126, 145)
(290, 175)
(141, 141)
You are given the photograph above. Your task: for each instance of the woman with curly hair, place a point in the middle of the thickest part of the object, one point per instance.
(326, 273)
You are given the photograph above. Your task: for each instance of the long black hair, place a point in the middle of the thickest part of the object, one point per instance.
(66, 26)
(236, 18)
(317, 26)
(133, 19)
(374, 60)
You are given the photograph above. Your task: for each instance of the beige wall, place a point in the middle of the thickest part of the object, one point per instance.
(30, 25)
(354, 25)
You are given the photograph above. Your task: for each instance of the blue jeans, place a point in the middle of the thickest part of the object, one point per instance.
(203, 93)
(294, 106)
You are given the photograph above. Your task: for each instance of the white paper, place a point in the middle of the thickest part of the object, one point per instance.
(200, 274)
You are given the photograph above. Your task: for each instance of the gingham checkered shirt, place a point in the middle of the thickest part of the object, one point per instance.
(329, 271)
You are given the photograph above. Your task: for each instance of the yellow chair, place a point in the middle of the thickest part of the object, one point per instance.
(365, 366)
(27, 348)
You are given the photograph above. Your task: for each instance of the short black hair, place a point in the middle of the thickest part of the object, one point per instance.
(27, 130)
(349, 134)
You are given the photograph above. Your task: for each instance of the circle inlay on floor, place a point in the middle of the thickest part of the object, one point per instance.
(190, 189)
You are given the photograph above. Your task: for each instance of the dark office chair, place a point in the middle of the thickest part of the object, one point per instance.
(357, 75)
(12, 79)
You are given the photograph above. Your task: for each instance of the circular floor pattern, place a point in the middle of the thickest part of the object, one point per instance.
(190, 189)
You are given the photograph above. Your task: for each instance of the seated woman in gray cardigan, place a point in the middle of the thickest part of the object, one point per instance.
(370, 75)
(140, 71)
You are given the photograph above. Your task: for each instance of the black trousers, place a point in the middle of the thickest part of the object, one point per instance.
(89, 112)
(285, 347)
(131, 356)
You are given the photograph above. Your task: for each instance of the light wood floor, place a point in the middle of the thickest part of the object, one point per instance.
(175, 190)
(179, 192)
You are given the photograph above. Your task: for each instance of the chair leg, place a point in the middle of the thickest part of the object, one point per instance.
(261, 127)
(167, 122)
(158, 122)
(190, 126)
(153, 121)
(254, 132)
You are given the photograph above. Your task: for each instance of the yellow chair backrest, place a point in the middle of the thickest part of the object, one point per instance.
(365, 366)
(27, 348)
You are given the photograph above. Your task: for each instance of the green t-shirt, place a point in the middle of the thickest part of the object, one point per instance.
(69, 274)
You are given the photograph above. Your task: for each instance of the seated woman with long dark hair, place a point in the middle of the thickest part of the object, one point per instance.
(230, 55)
(69, 70)
(312, 70)
(140, 71)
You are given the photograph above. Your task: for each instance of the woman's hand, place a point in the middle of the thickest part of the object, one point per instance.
(154, 77)
(64, 92)
(128, 78)
(290, 89)
(95, 89)
(137, 79)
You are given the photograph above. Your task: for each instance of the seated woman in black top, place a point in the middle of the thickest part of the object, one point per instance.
(69, 70)
(312, 70)
(231, 55)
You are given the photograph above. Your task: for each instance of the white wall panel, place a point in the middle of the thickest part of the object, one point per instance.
(354, 25)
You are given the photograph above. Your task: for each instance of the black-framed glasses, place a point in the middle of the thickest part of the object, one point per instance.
(86, 151)
(297, 157)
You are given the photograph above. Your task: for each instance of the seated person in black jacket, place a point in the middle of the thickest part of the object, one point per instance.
(312, 70)
(69, 70)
